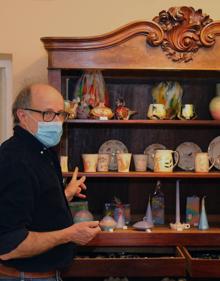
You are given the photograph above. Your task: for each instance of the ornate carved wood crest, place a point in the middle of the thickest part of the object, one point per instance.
(180, 31)
(185, 31)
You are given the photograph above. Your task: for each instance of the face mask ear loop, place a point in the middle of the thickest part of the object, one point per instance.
(27, 127)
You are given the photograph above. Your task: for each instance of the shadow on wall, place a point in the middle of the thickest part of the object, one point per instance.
(36, 72)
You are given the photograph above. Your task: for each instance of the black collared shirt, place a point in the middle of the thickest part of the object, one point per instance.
(32, 199)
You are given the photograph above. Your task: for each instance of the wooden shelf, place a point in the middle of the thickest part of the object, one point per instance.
(175, 175)
(146, 122)
(159, 236)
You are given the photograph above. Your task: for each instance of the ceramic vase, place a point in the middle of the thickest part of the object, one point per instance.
(214, 105)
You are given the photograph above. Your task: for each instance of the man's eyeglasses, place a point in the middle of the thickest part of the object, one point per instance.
(49, 115)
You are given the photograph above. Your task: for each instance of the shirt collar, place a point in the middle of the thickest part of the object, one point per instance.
(29, 139)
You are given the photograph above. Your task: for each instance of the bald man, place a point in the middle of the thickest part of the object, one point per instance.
(37, 234)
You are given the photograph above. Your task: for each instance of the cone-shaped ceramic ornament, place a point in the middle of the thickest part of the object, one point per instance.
(148, 216)
(147, 221)
(203, 221)
(121, 219)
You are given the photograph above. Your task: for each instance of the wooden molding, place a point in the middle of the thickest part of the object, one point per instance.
(152, 30)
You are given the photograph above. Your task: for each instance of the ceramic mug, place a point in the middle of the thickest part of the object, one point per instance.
(90, 162)
(123, 160)
(103, 162)
(140, 162)
(202, 162)
(187, 112)
(163, 160)
(156, 111)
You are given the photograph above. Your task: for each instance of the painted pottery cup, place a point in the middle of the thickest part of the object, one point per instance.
(124, 161)
(90, 162)
(140, 162)
(202, 163)
(103, 162)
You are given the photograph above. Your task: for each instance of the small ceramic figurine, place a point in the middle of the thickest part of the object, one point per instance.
(101, 112)
(147, 221)
(83, 111)
(122, 112)
(107, 223)
(71, 108)
(121, 218)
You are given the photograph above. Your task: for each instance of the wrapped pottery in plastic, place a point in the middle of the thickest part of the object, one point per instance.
(170, 94)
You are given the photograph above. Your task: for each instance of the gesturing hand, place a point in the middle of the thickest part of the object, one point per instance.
(75, 186)
(83, 232)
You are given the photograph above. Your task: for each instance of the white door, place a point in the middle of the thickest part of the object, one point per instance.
(5, 98)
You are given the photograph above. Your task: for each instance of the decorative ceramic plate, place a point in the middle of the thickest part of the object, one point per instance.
(187, 152)
(113, 147)
(142, 225)
(214, 152)
(150, 152)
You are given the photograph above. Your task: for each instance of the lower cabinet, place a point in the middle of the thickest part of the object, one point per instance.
(202, 262)
(129, 262)
(191, 263)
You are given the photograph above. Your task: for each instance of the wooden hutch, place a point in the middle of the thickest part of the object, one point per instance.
(182, 45)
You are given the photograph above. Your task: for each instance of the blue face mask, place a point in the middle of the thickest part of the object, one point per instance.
(49, 133)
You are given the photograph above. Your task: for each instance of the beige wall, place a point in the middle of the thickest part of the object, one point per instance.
(23, 22)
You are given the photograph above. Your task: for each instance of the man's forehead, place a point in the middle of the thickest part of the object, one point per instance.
(42, 89)
(46, 95)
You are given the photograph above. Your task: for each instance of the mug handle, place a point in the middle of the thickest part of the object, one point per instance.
(186, 225)
(194, 115)
(212, 163)
(177, 160)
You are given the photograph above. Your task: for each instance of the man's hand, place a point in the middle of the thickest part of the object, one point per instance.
(81, 233)
(75, 187)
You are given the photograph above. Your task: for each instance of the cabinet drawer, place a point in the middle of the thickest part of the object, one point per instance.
(202, 262)
(130, 262)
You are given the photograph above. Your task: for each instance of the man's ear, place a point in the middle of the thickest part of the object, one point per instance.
(21, 114)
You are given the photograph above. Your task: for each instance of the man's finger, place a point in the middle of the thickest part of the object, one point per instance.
(93, 223)
(80, 195)
(81, 180)
(75, 173)
(83, 186)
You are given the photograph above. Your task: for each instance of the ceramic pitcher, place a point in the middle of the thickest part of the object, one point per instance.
(163, 160)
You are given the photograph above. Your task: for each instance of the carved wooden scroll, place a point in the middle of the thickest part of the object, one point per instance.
(185, 31)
